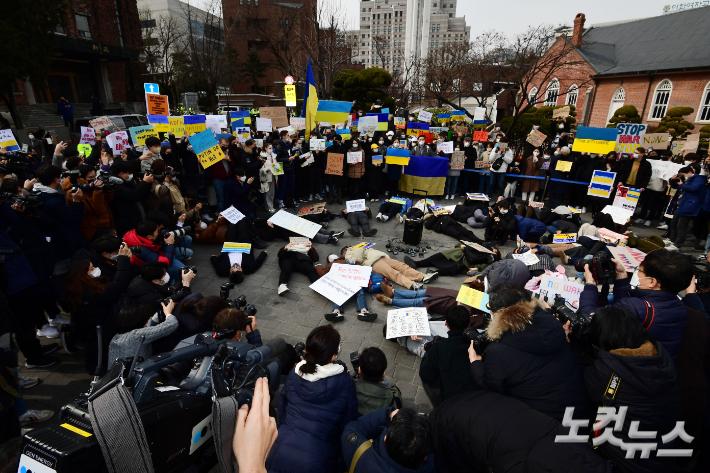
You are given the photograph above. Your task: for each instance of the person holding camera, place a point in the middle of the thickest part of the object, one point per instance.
(317, 402)
(105, 255)
(148, 237)
(374, 390)
(127, 206)
(388, 440)
(195, 314)
(529, 357)
(693, 188)
(137, 321)
(151, 286)
(96, 201)
(166, 187)
(90, 299)
(235, 319)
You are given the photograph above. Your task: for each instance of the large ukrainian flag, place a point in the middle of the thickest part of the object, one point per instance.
(594, 140)
(333, 111)
(310, 101)
(426, 173)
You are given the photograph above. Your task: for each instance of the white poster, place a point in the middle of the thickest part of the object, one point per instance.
(298, 123)
(529, 258)
(407, 322)
(424, 116)
(631, 258)
(571, 291)
(334, 289)
(264, 124)
(664, 169)
(317, 144)
(356, 205)
(118, 141)
(352, 273)
(232, 215)
(294, 223)
(618, 214)
(447, 147)
(354, 157)
(88, 136)
(367, 125)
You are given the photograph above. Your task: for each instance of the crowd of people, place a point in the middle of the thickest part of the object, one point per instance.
(105, 239)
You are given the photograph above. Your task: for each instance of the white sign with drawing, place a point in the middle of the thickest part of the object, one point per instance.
(334, 289)
(447, 147)
(354, 157)
(353, 274)
(529, 258)
(264, 124)
(407, 322)
(294, 223)
(356, 205)
(232, 215)
(424, 116)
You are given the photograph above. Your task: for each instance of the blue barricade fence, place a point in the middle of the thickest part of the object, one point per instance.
(530, 177)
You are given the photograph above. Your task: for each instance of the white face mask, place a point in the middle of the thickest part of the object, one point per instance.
(636, 155)
(562, 127)
(497, 140)
(547, 156)
(536, 153)
(32, 137)
(421, 143)
(95, 273)
(685, 163)
(166, 279)
(381, 142)
(130, 177)
(155, 150)
(203, 225)
(354, 145)
(467, 144)
(457, 149)
(535, 127)
(332, 258)
(503, 211)
(635, 280)
(243, 178)
(497, 128)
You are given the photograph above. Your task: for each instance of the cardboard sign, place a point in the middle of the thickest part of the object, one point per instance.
(447, 147)
(562, 112)
(334, 288)
(140, 133)
(480, 135)
(549, 287)
(478, 247)
(656, 140)
(356, 205)
(424, 116)
(100, 123)
(602, 184)
(88, 136)
(564, 238)
(407, 322)
(157, 104)
(294, 223)
(334, 164)
(277, 115)
(277, 169)
(230, 247)
(629, 137)
(691, 143)
(626, 198)
(536, 138)
(354, 157)
(298, 123)
(458, 159)
(564, 166)
(232, 215)
(677, 147)
(473, 298)
(264, 124)
(211, 156)
(631, 258)
(529, 258)
(177, 125)
(355, 274)
(312, 209)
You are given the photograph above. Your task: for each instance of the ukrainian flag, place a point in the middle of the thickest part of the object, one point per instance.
(381, 120)
(344, 133)
(238, 123)
(426, 173)
(397, 156)
(310, 101)
(333, 111)
(594, 140)
(417, 129)
(601, 184)
(244, 114)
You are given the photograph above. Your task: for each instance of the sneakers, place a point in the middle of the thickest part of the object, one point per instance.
(271, 211)
(663, 226)
(310, 197)
(446, 197)
(373, 200)
(281, 205)
(58, 320)
(283, 289)
(639, 220)
(387, 290)
(35, 415)
(324, 224)
(647, 223)
(672, 247)
(379, 217)
(409, 261)
(400, 217)
(366, 316)
(384, 299)
(338, 234)
(48, 332)
(26, 383)
(370, 233)
(42, 362)
(318, 197)
(416, 286)
(334, 316)
(584, 210)
(384, 218)
(353, 232)
(332, 240)
(430, 277)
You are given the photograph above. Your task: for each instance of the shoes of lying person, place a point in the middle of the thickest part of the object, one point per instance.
(384, 299)
(42, 362)
(26, 383)
(430, 277)
(259, 243)
(318, 197)
(663, 226)
(334, 316)
(409, 262)
(338, 234)
(416, 286)
(353, 232)
(639, 220)
(283, 289)
(332, 240)
(57, 321)
(366, 316)
(647, 223)
(370, 233)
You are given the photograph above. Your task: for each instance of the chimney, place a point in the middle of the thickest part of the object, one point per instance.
(578, 29)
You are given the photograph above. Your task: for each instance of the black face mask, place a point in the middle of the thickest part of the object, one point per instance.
(329, 136)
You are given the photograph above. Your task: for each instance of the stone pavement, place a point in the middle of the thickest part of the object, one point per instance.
(294, 315)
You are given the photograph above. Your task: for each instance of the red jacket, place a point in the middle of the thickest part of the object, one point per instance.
(150, 251)
(219, 173)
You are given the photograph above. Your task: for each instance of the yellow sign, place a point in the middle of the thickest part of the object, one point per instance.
(593, 146)
(564, 166)
(230, 247)
(140, 137)
(195, 128)
(397, 160)
(564, 238)
(211, 156)
(177, 125)
(290, 92)
(473, 298)
(161, 127)
(359, 246)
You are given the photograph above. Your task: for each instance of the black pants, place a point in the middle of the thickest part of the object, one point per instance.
(244, 231)
(291, 264)
(445, 266)
(354, 187)
(651, 205)
(459, 232)
(390, 209)
(27, 314)
(679, 227)
(495, 231)
(358, 218)
(393, 186)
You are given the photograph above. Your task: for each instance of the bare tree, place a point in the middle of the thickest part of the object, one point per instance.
(381, 47)
(406, 78)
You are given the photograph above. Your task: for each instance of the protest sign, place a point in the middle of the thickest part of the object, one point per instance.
(334, 288)
(290, 95)
(691, 143)
(482, 165)
(140, 133)
(545, 165)
(160, 122)
(664, 169)
(177, 125)
(536, 138)
(618, 214)
(334, 164)
(407, 322)
(398, 200)
(377, 159)
(309, 159)
(677, 147)
(477, 247)
(564, 166)
(476, 196)
(100, 123)
(447, 147)
(562, 112)
(299, 240)
(354, 157)
(355, 274)
(157, 104)
(400, 122)
(230, 247)
(294, 223)
(480, 135)
(612, 237)
(479, 116)
(356, 205)
(473, 298)
(118, 141)
(629, 137)
(264, 124)
(550, 287)
(631, 258)
(529, 258)
(656, 140)
(458, 159)
(232, 215)
(317, 144)
(88, 136)
(536, 205)
(367, 125)
(194, 123)
(416, 129)
(202, 141)
(298, 123)
(312, 209)
(211, 156)
(626, 198)
(424, 116)
(564, 238)
(219, 120)
(438, 129)
(439, 210)
(277, 169)
(444, 117)
(502, 146)
(602, 184)
(84, 149)
(277, 115)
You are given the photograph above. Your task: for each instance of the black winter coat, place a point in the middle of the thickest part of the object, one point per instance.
(128, 205)
(530, 360)
(473, 431)
(446, 365)
(283, 155)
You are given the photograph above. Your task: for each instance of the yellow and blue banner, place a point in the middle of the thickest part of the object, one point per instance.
(344, 133)
(195, 123)
(333, 111)
(7, 140)
(444, 117)
(594, 140)
(162, 125)
(458, 113)
(397, 156)
(424, 173)
(230, 247)
(310, 101)
(244, 114)
(602, 184)
(416, 129)
(381, 120)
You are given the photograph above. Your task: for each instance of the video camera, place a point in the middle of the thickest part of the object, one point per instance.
(31, 203)
(109, 182)
(600, 265)
(16, 162)
(173, 394)
(167, 172)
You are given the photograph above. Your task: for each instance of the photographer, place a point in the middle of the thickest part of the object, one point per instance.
(399, 442)
(374, 390)
(106, 255)
(136, 321)
(90, 299)
(234, 319)
(166, 187)
(196, 314)
(152, 285)
(147, 236)
(693, 189)
(529, 357)
(96, 202)
(128, 206)
(651, 295)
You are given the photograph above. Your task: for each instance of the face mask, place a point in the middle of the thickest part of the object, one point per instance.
(95, 273)
(503, 211)
(497, 140)
(489, 149)
(156, 150)
(636, 155)
(535, 127)
(166, 278)
(562, 127)
(32, 137)
(332, 258)
(203, 225)
(421, 143)
(536, 153)
(467, 144)
(360, 114)
(547, 156)
(636, 280)
(457, 149)
(113, 257)
(497, 128)
(243, 178)
(354, 145)
(685, 163)
(130, 178)
(381, 142)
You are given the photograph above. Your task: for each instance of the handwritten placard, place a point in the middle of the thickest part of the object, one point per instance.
(232, 215)
(564, 238)
(334, 288)
(424, 116)
(447, 147)
(88, 136)
(334, 164)
(631, 258)
(264, 124)
(656, 140)
(562, 112)
(312, 209)
(407, 322)
(536, 138)
(458, 159)
(477, 247)
(564, 166)
(276, 115)
(356, 205)
(100, 123)
(550, 287)
(480, 135)
(529, 258)
(231, 247)
(473, 298)
(354, 157)
(355, 274)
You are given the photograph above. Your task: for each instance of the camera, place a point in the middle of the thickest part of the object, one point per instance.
(480, 339)
(31, 203)
(17, 162)
(136, 250)
(186, 269)
(180, 232)
(600, 265)
(238, 303)
(355, 361)
(167, 172)
(579, 323)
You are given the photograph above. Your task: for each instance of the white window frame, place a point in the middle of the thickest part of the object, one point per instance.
(704, 104)
(550, 88)
(573, 91)
(531, 94)
(619, 96)
(667, 88)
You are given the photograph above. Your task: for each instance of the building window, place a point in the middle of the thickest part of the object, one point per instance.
(437, 27)
(148, 24)
(617, 101)
(572, 95)
(532, 96)
(661, 99)
(553, 89)
(82, 25)
(704, 109)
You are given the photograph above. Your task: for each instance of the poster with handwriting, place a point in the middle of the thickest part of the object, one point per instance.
(407, 322)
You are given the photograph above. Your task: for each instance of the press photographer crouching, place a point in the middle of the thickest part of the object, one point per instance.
(152, 285)
(529, 357)
(154, 247)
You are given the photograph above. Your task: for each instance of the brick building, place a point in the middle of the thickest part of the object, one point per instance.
(96, 50)
(653, 63)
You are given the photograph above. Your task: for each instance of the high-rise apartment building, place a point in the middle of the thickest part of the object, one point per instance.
(393, 31)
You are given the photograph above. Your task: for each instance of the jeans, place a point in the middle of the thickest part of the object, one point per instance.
(183, 247)
(451, 183)
(360, 302)
(404, 298)
(495, 179)
(174, 270)
(286, 181)
(220, 189)
(483, 184)
(552, 228)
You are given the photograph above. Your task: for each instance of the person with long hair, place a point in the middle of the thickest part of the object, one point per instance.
(195, 314)
(136, 321)
(317, 402)
(90, 299)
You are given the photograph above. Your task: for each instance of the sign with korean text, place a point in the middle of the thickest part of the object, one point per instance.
(100, 123)
(407, 322)
(211, 156)
(447, 147)
(232, 215)
(424, 116)
(334, 164)
(88, 136)
(140, 133)
(278, 115)
(355, 274)
(118, 141)
(161, 123)
(230, 247)
(157, 104)
(629, 136)
(562, 112)
(564, 166)
(473, 298)
(194, 123)
(334, 288)
(298, 123)
(536, 138)
(177, 125)
(664, 169)
(480, 135)
(564, 238)
(290, 95)
(356, 205)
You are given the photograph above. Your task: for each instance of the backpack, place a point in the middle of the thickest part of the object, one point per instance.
(374, 284)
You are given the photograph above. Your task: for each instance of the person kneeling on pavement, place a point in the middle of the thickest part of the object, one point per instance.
(374, 390)
(363, 313)
(387, 267)
(500, 224)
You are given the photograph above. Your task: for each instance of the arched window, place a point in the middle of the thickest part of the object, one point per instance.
(617, 101)
(532, 96)
(572, 96)
(553, 90)
(660, 100)
(704, 108)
